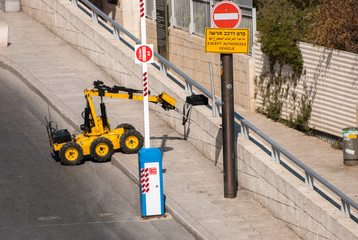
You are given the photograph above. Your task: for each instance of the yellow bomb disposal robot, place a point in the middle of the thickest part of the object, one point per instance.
(98, 139)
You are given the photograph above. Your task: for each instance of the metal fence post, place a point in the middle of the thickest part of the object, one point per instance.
(345, 208)
(94, 16)
(163, 69)
(154, 12)
(116, 33)
(188, 88)
(75, 2)
(215, 110)
(275, 154)
(253, 32)
(173, 21)
(192, 23)
(211, 8)
(309, 180)
(245, 131)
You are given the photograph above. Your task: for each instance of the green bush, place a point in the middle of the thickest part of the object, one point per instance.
(281, 23)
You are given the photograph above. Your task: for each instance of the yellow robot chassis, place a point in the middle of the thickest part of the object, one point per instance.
(98, 139)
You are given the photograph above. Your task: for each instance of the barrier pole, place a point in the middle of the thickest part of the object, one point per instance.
(143, 33)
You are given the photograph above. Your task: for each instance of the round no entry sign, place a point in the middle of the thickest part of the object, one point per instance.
(226, 14)
(144, 53)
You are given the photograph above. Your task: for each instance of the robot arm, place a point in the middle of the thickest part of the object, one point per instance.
(166, 101)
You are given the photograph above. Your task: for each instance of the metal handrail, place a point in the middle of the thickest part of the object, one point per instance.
(310, 175)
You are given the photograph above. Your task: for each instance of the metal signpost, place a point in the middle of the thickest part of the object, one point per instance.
(149, 159)
(225, 40)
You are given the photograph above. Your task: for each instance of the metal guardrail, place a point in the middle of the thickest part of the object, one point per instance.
(276, 150)
(310, 175)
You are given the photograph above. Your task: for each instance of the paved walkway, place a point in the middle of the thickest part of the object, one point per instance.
(194, 194)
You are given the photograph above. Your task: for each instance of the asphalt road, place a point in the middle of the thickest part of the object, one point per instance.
(42, 199)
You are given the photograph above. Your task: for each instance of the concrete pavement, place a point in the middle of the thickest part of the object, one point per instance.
(193, 186)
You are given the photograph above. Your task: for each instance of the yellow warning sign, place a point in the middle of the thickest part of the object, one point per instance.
(352, 136)
(227, 40)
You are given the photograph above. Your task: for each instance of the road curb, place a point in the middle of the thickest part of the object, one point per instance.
(38, 88)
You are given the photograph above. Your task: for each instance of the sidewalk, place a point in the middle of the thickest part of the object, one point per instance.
(192, 184)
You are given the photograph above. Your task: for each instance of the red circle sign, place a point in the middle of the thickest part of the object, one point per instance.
(144, 53)
(226, 14)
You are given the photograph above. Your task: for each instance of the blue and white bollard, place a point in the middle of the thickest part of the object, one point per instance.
(151, 182)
